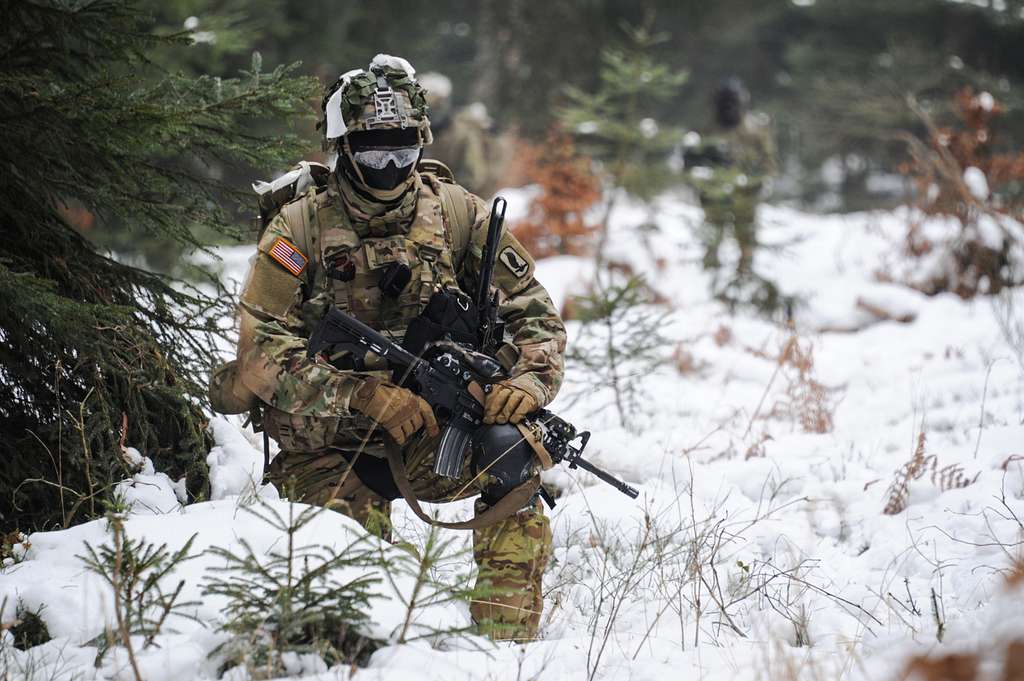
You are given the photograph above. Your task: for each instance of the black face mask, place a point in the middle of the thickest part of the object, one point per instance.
(388, 178)
(730, 103)
(392, 174)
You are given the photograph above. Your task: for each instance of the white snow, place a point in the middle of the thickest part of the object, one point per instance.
(976, 182)
(777, 533)
(648, 127)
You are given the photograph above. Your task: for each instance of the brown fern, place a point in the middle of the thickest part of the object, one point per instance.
(952, 667)
(806, 400)
(921, 464)
(952, 477)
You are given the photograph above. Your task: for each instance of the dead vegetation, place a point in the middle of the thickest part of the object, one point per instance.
(557, 222)
(963, 171)
(804, 399)
(919, 466)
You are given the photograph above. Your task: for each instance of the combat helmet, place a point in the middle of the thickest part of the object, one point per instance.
(377, 121)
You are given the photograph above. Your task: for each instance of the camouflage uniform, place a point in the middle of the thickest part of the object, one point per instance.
(728, 174)
(350, 240)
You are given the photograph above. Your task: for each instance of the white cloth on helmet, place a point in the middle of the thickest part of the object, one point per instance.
(395, 63)
(336, 126)
(291, 176)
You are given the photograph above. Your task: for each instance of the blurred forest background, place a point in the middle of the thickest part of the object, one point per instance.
(133, 129)
(833, 75)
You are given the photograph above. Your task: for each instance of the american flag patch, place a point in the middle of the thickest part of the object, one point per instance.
(288, 256)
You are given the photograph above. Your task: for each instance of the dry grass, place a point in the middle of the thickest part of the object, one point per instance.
(722, 335)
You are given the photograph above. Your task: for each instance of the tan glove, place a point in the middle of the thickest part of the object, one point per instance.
(396, 409)
(509, 401)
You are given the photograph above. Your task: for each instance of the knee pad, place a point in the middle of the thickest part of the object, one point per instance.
(503, 460)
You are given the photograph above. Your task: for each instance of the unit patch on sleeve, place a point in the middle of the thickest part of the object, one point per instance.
(288, 256)
(514, 262)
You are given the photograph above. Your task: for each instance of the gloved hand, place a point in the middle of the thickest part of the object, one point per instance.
(396, 409)
(509, 401)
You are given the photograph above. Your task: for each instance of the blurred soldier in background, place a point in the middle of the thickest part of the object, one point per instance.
(728, 166)
(465, 139)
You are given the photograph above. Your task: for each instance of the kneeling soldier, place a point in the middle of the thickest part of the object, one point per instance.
(380, 238)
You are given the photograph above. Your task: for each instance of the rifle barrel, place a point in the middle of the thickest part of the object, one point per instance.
(628, 490)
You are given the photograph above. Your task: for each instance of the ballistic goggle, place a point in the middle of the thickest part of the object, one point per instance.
(378, 159)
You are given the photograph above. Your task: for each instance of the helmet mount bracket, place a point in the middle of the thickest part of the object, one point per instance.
(387, 109)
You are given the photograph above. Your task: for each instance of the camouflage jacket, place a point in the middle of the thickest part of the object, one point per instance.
(735, 158)
(348, 243)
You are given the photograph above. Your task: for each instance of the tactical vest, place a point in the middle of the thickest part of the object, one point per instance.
(350, 267)
(347, 261)
(344, 269)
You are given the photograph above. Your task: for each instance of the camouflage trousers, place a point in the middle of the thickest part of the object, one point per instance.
(510, 555)
(735, 212)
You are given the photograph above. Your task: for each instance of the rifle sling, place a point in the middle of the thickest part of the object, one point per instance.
(507, 506)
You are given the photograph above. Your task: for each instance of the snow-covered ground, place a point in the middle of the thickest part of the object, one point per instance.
(757, 549)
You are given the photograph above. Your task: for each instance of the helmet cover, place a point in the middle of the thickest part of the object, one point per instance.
(386, 95)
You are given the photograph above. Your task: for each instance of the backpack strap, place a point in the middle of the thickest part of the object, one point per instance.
(296, 214)
(453, 205)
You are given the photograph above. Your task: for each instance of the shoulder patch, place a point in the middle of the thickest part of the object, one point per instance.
(516, 264)
(288, 256)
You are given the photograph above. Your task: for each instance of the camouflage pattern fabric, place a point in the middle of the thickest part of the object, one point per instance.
(307, 402)
(358, 107)
(510, 555)
(729, 184)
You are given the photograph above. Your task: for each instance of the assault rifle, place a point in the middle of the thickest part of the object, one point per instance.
(451, 379)
(711, 155)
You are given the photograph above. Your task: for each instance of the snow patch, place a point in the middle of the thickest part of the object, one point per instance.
(976, 183)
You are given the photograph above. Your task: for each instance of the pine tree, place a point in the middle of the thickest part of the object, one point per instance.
(616, 123)
(96, 354)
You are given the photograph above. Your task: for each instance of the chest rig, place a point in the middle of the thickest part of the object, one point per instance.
(355, 260)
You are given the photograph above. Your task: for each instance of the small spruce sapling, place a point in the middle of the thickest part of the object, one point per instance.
(138, 572)
(436, 564)
(619, 343)
(295, 601)
(617, 124)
